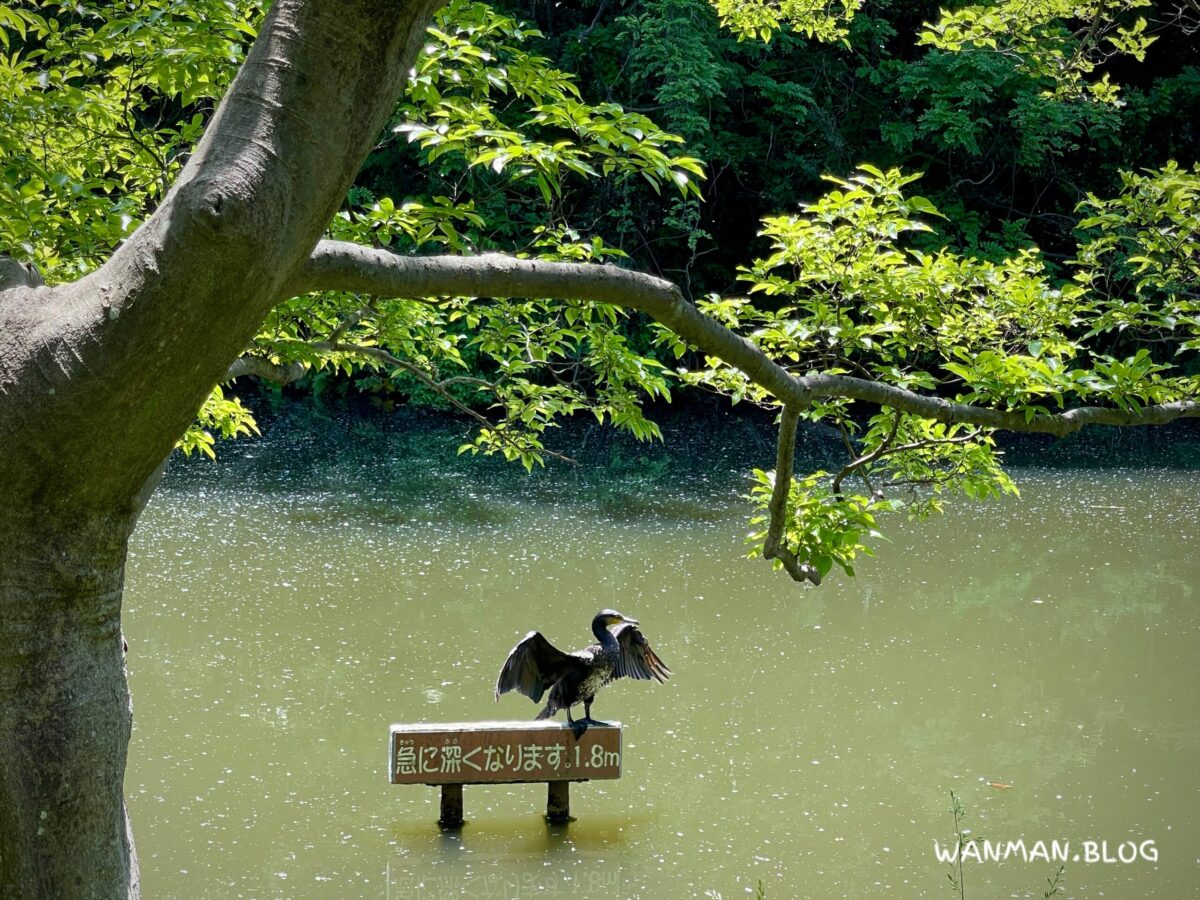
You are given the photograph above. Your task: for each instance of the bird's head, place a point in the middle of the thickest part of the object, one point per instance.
(610, 617)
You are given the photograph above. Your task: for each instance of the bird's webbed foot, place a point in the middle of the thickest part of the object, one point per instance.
(578, 726)
(587, 715)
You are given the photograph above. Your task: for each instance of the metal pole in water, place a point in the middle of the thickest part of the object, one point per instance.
(558, 801)
(452, 806)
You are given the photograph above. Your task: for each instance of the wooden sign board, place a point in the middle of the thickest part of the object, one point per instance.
(501, 752)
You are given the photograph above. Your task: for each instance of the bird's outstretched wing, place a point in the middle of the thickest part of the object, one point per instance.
(637, 659)
(533, 665)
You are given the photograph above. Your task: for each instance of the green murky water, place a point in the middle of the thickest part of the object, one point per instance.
(284, 608)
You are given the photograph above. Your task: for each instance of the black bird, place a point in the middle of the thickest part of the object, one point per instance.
(535, 665)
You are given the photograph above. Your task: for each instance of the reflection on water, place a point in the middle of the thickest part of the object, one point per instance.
(282, 612)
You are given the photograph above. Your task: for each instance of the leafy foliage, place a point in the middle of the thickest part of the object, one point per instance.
(97, 107)
(225, 416)
(1008, 150)
(479, 97)
(762, 18)
(1143, 253)
(823, 528)
(1010, 110)
(1062, 41)
(848, 292)
(483, 110)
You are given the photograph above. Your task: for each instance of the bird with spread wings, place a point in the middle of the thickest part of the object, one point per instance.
(535, 666)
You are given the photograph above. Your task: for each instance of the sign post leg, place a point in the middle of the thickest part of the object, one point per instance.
(452, 806)
(558, 801)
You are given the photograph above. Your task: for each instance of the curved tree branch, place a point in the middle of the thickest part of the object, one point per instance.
(949, 412)
(342, 266)
(265, 369)
(337, 265)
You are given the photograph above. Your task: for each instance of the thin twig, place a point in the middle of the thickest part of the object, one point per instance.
(438, 387)
(866, 459)
(351, 320)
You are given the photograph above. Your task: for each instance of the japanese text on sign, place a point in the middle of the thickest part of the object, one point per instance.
(502, 751)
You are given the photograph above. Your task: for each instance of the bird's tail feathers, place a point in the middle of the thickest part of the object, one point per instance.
(547, 711)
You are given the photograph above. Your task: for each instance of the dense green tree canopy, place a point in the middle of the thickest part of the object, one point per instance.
(922, 321)
(918, 229)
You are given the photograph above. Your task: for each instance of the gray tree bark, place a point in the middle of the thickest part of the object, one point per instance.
(99, 378)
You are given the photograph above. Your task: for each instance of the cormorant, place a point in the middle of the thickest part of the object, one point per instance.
(572, 678)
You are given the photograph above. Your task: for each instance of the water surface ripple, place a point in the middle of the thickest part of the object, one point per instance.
(279, 620)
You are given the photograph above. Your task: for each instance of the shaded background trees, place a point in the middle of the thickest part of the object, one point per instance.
(1006, 164)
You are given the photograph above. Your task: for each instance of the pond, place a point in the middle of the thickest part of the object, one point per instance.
(1036, 656)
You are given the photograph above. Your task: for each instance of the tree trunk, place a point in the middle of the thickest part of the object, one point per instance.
(64, 730)
(99, 378)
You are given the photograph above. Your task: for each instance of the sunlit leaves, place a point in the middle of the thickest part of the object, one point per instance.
(414, 225)
(480, 100)
(916, 461)
(491, 117)
(1061, 41)
(848, 290)
(904, 463)
(219, 415)
(1142, 249)
(97, 106)
(848, 293)
(852, 285)
(822, 529)
(760, 19)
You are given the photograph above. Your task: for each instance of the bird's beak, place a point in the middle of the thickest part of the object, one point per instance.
(626, 621)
